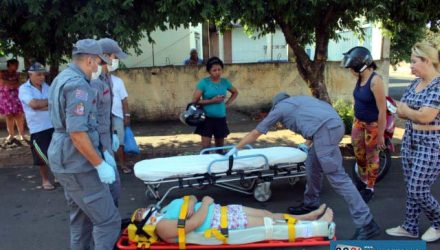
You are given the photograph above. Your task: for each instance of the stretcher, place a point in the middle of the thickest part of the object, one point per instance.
(250, 172)
(284, 233)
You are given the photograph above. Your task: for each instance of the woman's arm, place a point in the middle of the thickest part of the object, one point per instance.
(234, 95)
(423, 115)
(378, 90)
(167, 229)
(198, 95)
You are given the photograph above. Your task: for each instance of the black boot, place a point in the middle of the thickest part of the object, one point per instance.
(367, 232)
(367, 194)
(301, 209)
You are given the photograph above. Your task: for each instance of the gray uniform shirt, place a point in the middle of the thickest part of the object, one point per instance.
(72, 108)
(301, 114)
(104, 101)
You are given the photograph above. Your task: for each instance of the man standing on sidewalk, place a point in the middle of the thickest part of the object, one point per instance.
(323, 129)
(74, 155)
(33, 95)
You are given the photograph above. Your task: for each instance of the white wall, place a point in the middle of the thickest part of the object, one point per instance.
(372, 41)
(246, 49)
(171, 47)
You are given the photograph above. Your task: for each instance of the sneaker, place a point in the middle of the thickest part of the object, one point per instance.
(400, 232)
(431, 235)
(367, 194)
(367, 232)
(301, 209)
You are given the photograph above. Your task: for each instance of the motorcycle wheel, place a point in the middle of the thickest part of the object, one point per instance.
(384, 167)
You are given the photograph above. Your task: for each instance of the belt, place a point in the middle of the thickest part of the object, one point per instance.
(426, 127)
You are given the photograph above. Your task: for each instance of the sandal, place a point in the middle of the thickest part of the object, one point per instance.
(126, 170)
(48, 187)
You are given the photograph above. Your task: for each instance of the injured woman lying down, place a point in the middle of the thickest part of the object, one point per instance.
(205, 215)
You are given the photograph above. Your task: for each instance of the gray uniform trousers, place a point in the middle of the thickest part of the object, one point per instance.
(325, 157)
(94, 218)
(115, 187)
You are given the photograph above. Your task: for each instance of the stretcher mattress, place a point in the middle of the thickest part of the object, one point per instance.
(189, 165)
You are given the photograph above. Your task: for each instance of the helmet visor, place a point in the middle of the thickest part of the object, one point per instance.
(346, 61)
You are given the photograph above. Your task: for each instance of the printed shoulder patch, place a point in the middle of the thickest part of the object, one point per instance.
(79, 109)
(81, 94)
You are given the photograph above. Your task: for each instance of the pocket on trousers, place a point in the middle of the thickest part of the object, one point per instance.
(99, 206)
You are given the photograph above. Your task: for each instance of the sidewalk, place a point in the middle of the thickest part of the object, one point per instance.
(162, 139)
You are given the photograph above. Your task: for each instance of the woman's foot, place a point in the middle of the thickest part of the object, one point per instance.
(431, 235)
(327, 216)
(126, 170)
(24, 138)
(48, 186)
(400, 232)
(314, 215)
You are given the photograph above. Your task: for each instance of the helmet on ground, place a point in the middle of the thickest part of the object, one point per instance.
(193, 115)
(357, 59)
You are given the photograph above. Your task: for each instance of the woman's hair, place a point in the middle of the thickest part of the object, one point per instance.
(425, 51)
(11, 62)
(213, 61)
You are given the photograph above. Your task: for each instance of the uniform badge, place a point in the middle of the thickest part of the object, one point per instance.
(106, 92)
(79, 109)
(81, 94)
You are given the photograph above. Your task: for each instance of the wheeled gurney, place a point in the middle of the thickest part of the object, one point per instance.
(254, 169)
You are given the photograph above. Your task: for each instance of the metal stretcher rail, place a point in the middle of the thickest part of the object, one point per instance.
(254, 181)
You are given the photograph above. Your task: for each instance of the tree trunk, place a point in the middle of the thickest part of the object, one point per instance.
(312, 71)
(53, 72)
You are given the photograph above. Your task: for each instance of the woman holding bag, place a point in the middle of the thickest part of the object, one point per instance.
(211, 94)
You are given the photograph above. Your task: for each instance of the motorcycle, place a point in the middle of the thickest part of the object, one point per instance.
(385, 154)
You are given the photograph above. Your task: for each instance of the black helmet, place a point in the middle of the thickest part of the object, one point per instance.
(193, 115)
(357, 59)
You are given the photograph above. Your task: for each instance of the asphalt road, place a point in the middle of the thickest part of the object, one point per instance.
(35, 219)
(397, 86)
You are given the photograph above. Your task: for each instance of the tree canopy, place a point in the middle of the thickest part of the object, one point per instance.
(47, 29)
(313, 21)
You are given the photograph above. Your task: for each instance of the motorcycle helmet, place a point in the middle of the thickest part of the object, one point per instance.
(357, 59)
(193, 115)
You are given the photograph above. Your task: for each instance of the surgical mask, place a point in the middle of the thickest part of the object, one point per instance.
(96, 74)
(114, 66)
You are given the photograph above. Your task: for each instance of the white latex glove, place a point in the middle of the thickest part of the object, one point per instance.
(303, 147)
(106, 173)
(115, 142)
(109, 159)
(233, 151)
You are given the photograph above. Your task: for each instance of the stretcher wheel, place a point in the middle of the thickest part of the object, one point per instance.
(293, 180)
(262, 192)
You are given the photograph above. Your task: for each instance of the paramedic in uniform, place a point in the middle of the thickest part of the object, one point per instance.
(323, 129)
(109, 142)
(74, 154)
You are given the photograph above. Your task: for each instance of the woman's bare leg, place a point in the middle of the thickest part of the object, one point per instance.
(10, 126)
(254, 212)
(19, 120)
(219, 142)
(254, 221)
(206, 142)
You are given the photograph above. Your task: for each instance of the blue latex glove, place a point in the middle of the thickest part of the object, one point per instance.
(233, 151)
(109, 159)
(303, 147)
(115, 142)
(106, 173)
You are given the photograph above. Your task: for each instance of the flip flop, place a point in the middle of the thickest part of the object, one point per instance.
(126, 170)
(48, 187)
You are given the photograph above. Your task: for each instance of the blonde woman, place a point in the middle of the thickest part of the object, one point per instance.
(420, 105)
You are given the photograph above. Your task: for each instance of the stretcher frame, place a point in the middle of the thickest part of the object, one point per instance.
(255, 181)
(124, 244)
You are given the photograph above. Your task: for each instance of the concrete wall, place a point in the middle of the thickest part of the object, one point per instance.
(161, 93)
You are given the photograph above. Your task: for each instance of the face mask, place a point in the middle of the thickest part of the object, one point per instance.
(114, 66)
(96, 74)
